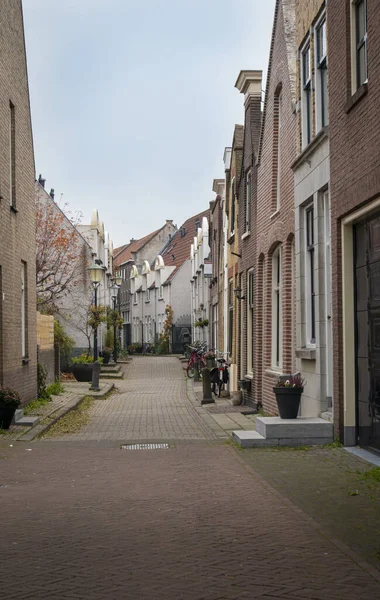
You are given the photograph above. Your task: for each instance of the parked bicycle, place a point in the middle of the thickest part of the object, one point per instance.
(197, 359)
(220, 374)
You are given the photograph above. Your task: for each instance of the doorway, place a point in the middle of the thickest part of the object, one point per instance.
(367, 331)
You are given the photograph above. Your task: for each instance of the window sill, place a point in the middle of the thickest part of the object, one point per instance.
(306, 353)
(273, 373)
(161, 299)
(275, 214)
(231, 239)
(248, 376)
(356, 97)
(25, 360)
(13, 208)
(245, 235)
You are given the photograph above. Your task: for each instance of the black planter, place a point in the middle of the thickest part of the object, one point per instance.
(6, 416)
(106, 358)
(245, 384)
(288, 401)
(82, 372)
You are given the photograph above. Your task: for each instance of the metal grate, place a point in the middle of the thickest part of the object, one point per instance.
(144, 447)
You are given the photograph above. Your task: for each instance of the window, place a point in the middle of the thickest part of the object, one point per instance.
(232, 230)
(322, 118)
(135, 299)
(306, 108)
(12, 156)
(310, 276)
(230, 315)
(127, 317)
(359, 35)
(147, 295)
(215, 326)
(250, 324)
(161, 292)
(24, 312)
(277, 149)
(277, 308)
(248, 188)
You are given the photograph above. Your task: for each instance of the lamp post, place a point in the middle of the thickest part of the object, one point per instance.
(95, 272)
(114, 289)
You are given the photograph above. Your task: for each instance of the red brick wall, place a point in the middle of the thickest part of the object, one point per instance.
(274, 228)
(354, 152)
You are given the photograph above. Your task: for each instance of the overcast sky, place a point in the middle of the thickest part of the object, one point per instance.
(134, 102)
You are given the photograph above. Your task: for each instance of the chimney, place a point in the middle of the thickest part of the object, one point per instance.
(249, 83)
(52, 194)
(41, 181)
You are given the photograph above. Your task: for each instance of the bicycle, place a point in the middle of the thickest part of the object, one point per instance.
(196, 359)
(220, 375)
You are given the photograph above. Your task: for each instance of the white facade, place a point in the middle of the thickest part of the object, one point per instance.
(201, 273)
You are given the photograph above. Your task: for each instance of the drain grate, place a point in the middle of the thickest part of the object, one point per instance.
(144, 447)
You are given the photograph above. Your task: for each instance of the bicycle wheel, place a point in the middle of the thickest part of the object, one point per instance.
(190, 372)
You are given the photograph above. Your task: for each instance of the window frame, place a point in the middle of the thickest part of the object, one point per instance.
(309, 249)
(278, 165)
(12, 155)
(277, 334)
(306, 100)
(233, 208)
(24, 311)
(230, 315)
(248, 196)
(321, 69)
(250, 319)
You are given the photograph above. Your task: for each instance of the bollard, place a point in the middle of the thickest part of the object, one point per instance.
(196, 371)
(207, 395)
(95, 377)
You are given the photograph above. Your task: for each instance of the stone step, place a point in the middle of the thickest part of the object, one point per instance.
(251, 439)
(110, 368)
(26, 421)
(111, 375)
(293, 429)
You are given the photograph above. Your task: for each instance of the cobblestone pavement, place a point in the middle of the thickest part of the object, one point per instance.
(332, 486)
(83, 519)
(150, 404)
(188, 523)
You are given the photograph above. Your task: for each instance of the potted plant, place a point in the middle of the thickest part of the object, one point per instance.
(131, 349)
(9, 401)
(107, 353)
(288, 393)
(82, 366)
(210, 359)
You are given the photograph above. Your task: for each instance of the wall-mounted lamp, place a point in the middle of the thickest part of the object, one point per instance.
(237, 292)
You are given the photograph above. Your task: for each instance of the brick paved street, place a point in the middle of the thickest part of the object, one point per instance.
(151, 404)
(86, 520)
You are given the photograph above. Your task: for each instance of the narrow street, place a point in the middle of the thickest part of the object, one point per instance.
(84, 519)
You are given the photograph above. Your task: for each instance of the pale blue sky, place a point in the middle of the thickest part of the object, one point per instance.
(134, 102)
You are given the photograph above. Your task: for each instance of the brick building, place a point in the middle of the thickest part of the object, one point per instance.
(354, 91)
(248, 83)
(312, 211)
(231, 207)
(275, 265)
(18, 343)
(132, 257)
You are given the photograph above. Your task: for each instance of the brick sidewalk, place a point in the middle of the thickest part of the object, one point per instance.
(188, 523)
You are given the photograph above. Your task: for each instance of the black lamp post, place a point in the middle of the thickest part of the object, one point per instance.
(95, 272)
(114, 291)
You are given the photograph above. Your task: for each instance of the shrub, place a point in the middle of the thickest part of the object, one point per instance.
(66, 343)
(55, 388)
(9, 398)
(41, 381)
(84, 359)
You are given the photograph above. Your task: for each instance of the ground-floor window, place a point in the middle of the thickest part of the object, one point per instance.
(230, 315)
(250, 321)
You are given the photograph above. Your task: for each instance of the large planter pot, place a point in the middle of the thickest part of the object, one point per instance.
(106, 358)
(288, 401)
(6, 416)
(82, 372)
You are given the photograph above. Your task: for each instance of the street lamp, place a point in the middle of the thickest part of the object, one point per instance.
(95, 272)
(118, 278)
(114, 289)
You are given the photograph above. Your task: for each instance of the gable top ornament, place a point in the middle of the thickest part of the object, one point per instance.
(159, 263)
(134, 272)
(145, 268)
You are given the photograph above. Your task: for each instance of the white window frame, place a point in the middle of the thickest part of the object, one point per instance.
(135, 298)
(355, 82)
(233, 207)
(147, 298)
(127, 317)
(306, 96)
(250, 319)
(248, 196)
(277, 335)
(161, 292)
(310, 274)
(278, 174)
(24, 350)
(321, 70)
